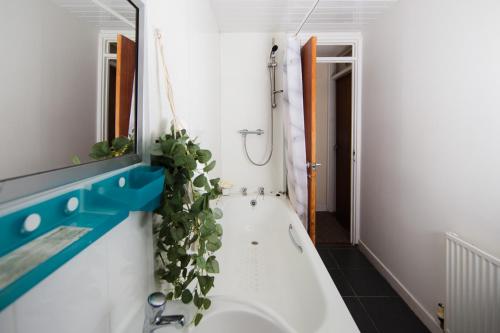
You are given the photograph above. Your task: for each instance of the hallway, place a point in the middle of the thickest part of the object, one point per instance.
(329, 231)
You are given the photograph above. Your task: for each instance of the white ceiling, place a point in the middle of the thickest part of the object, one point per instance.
(286, 15)
(104, 14)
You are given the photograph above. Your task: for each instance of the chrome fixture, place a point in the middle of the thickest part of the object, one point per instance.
(313, 166)
(154, 310)
(292, 237)
(246, 132)
(253, 202)
(271, 65)
(244, 191)
(260, 190)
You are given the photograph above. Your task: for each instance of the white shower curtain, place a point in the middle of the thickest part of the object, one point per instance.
(293, 118)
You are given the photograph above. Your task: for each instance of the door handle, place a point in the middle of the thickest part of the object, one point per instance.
(313, 166)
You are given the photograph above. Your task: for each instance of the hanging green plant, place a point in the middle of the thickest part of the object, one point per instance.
(189, 234)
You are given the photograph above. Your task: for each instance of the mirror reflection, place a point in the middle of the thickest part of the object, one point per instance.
(68, 71)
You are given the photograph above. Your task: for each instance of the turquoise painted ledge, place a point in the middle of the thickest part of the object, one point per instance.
(101, 208)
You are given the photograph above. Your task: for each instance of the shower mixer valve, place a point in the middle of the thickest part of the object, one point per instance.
(246, 132)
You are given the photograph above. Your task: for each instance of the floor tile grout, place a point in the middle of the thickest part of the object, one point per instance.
(369, 317)
(359, 301)
(352, 259)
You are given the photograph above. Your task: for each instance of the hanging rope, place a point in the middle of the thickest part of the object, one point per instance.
(168, 85)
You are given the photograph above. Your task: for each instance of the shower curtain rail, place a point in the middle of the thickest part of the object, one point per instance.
(304, 21)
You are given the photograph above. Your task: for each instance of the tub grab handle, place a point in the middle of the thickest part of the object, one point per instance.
(290, 228)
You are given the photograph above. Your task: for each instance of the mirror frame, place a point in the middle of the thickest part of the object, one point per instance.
(23, 186)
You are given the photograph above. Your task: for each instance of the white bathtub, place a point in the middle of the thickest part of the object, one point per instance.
(271, 286)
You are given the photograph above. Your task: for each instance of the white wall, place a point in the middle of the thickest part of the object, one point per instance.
(192, 51)
(431, 153)
(48, 87)
(102, 289)
(322, 142)
(245, 98)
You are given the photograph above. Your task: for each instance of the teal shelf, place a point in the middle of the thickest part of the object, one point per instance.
(101, 208)
(139, 188)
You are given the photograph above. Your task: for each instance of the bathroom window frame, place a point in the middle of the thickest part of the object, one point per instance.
(354, 39)
(13, 189)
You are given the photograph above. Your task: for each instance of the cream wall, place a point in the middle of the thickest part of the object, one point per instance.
(246, 104)
(431, 120)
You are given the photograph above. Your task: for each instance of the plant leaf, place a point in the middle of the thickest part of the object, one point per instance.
(218, 229)
(120, 142)
(197, 319)
(212, 265)
(204, 155)
(209, 167)
(100, 150)
(200, 181)
(76, 160)
(200, 262)
(214, 246)
(197, 300)
(206, 283)
(186, 296)
(206, 303)
(156, 150)
(217, 213)
(177, 233)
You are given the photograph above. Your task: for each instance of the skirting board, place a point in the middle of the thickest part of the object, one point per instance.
(428, 320)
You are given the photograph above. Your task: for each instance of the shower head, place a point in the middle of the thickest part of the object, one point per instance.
(273, 50)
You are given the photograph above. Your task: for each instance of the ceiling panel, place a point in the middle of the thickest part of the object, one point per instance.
(104, 14)
(286, 15)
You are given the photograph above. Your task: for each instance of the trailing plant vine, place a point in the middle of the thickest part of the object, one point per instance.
(189, 235)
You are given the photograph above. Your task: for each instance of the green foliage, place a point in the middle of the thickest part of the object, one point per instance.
(189, 233)
(76, 160)
(120, 146)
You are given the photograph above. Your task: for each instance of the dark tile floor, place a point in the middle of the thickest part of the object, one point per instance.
(329, 230)
(373, 304)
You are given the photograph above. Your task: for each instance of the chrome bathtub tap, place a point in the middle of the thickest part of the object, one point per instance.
(244, 191)
(154, 310)
(260, 190)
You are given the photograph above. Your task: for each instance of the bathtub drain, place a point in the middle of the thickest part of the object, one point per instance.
(255, 243)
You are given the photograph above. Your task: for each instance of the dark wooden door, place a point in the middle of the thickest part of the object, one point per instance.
(125, 75)
(308, 56)
(343, 149)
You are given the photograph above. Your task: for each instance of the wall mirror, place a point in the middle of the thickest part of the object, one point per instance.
(69, 79)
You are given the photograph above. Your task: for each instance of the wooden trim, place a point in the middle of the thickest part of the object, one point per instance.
(125, 76)
(308, 57)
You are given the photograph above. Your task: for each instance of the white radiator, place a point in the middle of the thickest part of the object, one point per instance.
(472, 288)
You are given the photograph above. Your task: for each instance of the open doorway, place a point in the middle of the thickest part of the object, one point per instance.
(334, 121)
(330, 67)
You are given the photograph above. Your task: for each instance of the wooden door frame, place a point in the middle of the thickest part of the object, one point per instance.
(355, 40)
